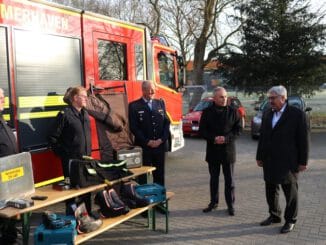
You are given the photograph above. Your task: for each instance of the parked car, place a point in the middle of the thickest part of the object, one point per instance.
(323, 86)
(296, 101)
(190, 121)
(191, 96)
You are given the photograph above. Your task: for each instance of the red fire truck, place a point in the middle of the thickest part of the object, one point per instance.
(46, 48)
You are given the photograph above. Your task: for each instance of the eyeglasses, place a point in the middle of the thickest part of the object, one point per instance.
(273, 97)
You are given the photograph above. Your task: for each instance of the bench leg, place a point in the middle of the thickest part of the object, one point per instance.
(26, 227)
(167, 216)
(149, 178)
(164, 206)
(153, 219)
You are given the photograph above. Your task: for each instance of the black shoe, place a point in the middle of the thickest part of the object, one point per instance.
(9, 235)
(287, 227)
(210, 207)
(231, 211)
(8, 240)
(270, 220)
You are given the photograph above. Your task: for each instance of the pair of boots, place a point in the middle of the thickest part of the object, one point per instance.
(110, 204)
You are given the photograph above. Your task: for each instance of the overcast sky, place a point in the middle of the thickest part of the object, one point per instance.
(316, 4)
(227, 26)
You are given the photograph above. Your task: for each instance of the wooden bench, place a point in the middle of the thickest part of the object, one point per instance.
(55, 196)
(109, 223)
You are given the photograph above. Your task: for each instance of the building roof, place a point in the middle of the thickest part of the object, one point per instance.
(213, 65)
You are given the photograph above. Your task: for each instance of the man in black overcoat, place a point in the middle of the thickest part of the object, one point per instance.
(150, 124)
(282, 152)
(220, 125)
(8, 146)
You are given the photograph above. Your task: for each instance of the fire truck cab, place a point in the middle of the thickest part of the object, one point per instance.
(46, 48)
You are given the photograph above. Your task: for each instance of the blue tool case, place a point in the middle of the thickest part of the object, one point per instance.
(152, 192)
(63, 236)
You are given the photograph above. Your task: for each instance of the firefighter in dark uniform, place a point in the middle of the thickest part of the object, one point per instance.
(149, 123)
(71, 137)
(8, 147)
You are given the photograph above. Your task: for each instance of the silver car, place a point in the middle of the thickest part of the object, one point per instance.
(296, 101)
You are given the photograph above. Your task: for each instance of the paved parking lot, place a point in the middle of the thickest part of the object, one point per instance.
(187, 176)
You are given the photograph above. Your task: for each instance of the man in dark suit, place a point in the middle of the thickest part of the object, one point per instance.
(150, 125)
(8, 146)
(220, 125)
(282, 152)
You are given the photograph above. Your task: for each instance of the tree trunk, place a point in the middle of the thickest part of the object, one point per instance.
(198, 69)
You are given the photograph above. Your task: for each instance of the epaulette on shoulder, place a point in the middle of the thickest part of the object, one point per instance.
(162, 100)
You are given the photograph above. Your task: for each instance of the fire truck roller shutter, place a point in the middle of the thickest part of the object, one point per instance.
(4, 76)
(46, 65)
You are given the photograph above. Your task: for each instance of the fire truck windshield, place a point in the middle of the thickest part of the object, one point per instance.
(166, 69)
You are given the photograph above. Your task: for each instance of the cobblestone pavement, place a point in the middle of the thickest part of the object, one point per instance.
(187, 176)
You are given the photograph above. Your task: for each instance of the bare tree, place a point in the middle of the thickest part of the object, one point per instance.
(180, 26)
(128, 10)
(193, 26)
(196, 27)
(156, 24)
(208, 34)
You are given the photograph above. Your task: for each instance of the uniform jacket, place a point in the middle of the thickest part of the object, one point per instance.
(208, 129)
(8, 144)
(71, 137)
(283, 148)
(147, 124)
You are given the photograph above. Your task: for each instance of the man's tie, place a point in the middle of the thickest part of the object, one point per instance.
(276, 117)
(149, 103)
